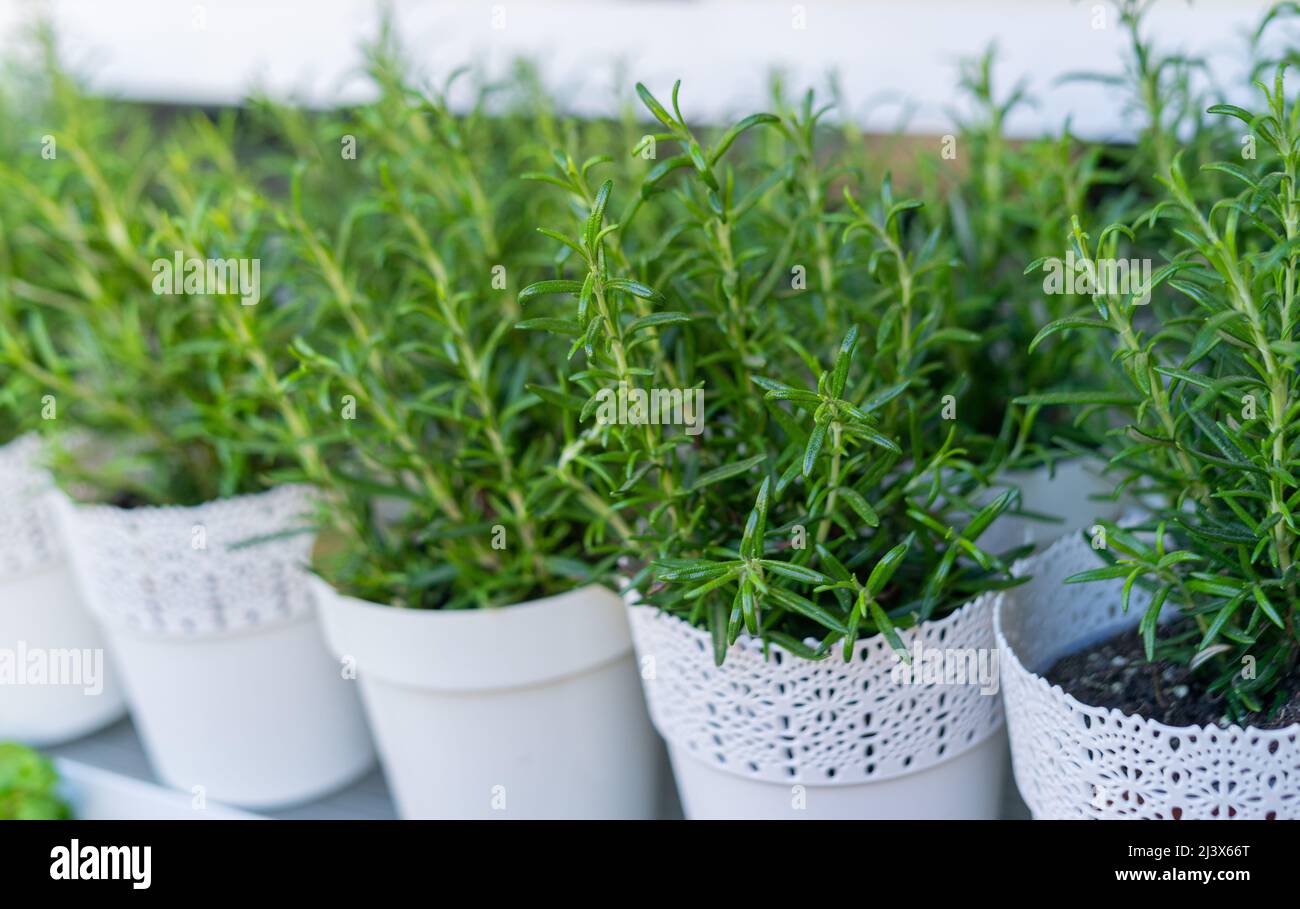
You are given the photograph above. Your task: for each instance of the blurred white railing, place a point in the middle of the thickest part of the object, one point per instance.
(886, 52)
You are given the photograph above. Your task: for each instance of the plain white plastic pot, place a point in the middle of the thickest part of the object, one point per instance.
(1073, 760)
(57, 681)
(782, 737)
(1069, 491)
(225, 667)
(527, 711)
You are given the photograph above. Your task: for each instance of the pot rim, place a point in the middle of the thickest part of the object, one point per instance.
(386, 608)
(529, 644)
(1011, 662)
(632, 599)
(118, 574)
(303, 491)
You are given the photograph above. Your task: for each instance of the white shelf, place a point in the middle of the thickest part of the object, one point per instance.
(102, 795)
(107, 776)
(111, 778)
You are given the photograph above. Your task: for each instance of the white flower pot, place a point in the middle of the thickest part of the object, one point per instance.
(526, 711)
(1073, 760)
(57, 681)
(785, 737)
(226, 671)
(1068, 492)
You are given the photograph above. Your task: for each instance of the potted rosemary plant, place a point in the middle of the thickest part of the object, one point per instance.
(1150, 668)
(497, 671)
(43, 622)
(125, 313)
(792, 499)
(1006, 203)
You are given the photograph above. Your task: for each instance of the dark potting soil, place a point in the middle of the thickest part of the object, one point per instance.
(126, 501)
(1114, 673)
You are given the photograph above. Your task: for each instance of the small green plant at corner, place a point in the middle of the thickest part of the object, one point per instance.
(28, 784)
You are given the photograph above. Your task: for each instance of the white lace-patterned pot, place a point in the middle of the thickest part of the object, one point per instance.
(779, 736)
(1073, 760)
(57, 679)
(1069, 492)
(208, 609)
(525, 711)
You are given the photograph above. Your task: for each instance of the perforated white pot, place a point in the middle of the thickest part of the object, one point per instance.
(1067, 492)
(785, 737)
(216, 633)
(527, 711)
(1073, 760)
(57, 680)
